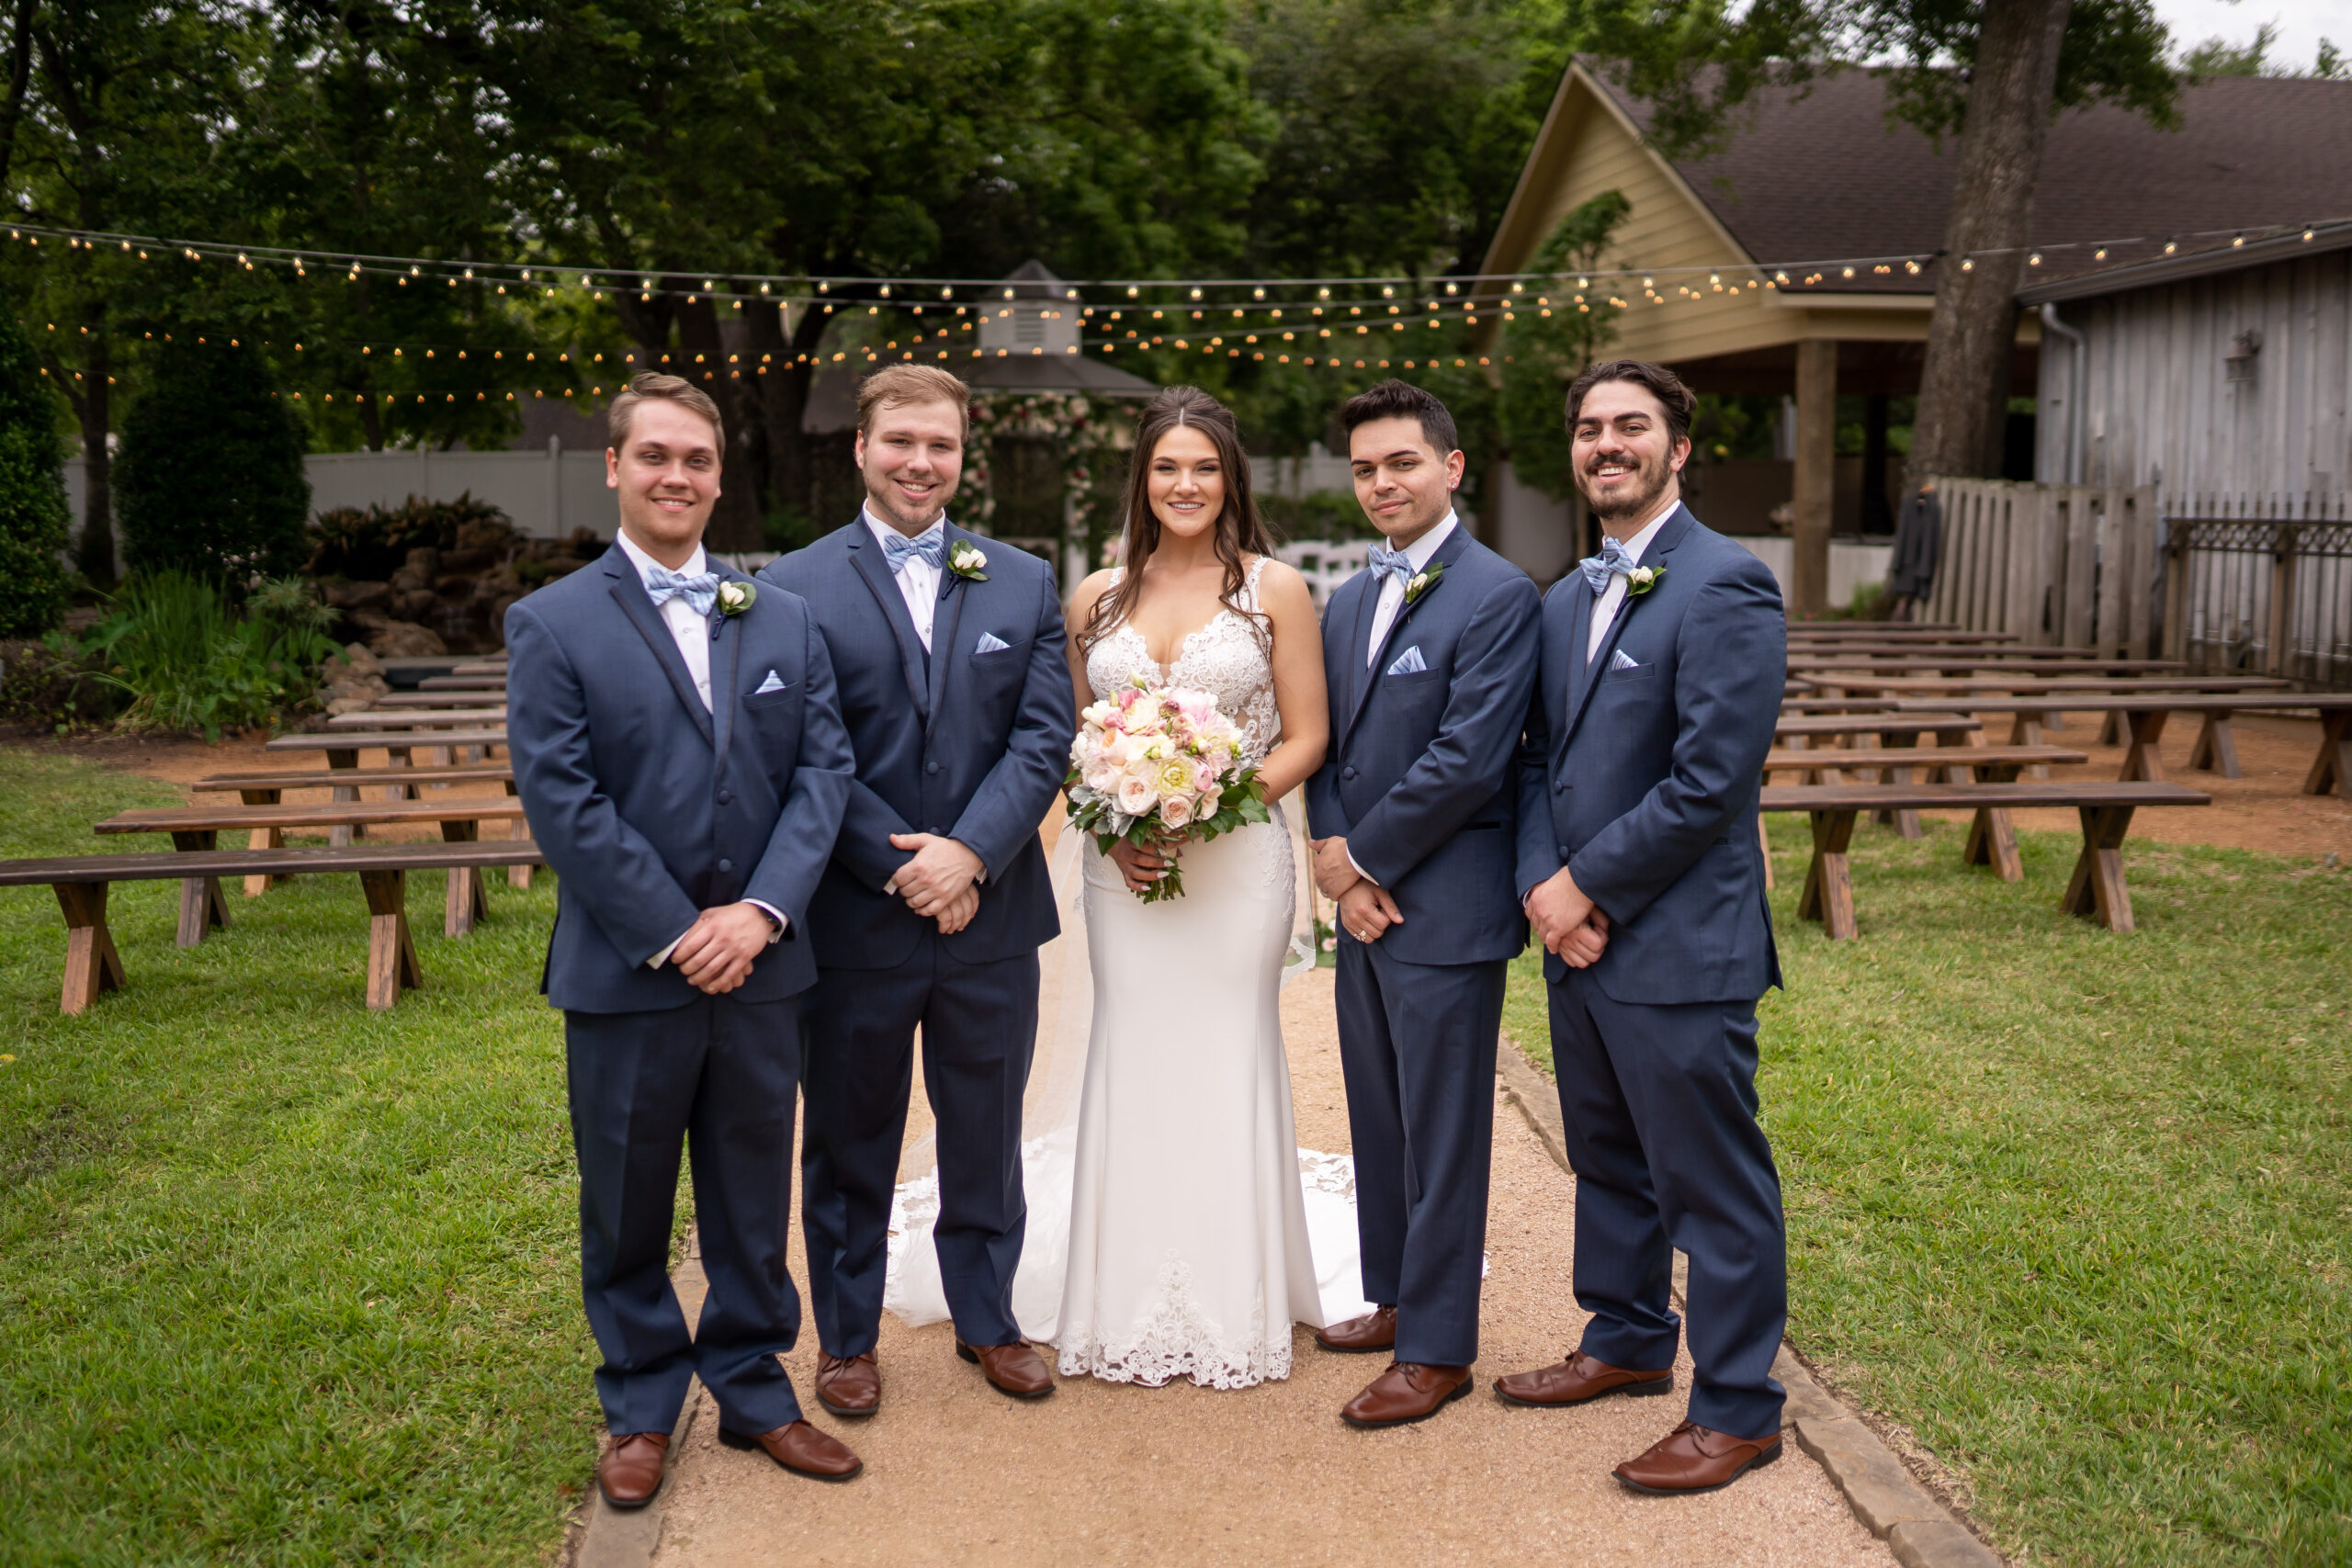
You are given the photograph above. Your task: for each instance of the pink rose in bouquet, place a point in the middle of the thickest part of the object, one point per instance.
(1158, 765)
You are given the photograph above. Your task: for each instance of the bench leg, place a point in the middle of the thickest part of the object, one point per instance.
(1904, 822)
(204, 908)
(2141, 762)
(1764, 843)
(467, 901)
(401, 757)
(1829, 881)
(2097, 887)
(2332, 769)
(2025, 730)
(391, 953)
(2111, 729)
(264, 838)
(92, 965)
(520, 827)
(339, 837)
(2217, 747)
(1993, 841)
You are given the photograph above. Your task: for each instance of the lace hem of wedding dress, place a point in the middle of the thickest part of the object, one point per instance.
(1173, 1339)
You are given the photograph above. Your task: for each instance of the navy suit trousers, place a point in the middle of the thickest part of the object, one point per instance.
(717, 1076)
(1417, 1048)
(979, 1030)
(1659, 1103)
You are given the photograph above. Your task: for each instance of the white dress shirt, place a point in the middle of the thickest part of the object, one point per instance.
(918, 580)
(1612, 598)
(691, 633)
(1392, 589)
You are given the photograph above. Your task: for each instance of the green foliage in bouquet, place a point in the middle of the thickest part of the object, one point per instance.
(1241, 802)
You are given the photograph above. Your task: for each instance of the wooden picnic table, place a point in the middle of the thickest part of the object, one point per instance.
(343, 755)
(1832, 669)
(195, 829)
(1908, 719)
(1893, 631)
(93, 966)
(1836, 705)
(2096, 889)
(2144, 715)
(2027, 684)
(272, 781)
(1992, 838)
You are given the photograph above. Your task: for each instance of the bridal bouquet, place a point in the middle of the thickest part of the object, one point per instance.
(1157, 766)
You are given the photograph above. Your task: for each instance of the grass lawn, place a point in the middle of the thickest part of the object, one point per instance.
(2077, 1208)
(281, 1281)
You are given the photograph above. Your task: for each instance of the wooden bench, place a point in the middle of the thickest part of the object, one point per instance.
(1961, 664)
(1904, 720)
(2143, 717)
(1836, 705)
(1957, 764)
(480, 667)
(93, 966)
(2096, 889)
(400, 701)
(342, 754)
(442, 717)
(195, 829)
(462, 684)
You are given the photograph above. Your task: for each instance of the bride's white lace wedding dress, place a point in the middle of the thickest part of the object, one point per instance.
(1178, 1228)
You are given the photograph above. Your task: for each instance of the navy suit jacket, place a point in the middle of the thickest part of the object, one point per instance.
(652, 809)
(969, 745)
(1419, 778)
(1644, 781)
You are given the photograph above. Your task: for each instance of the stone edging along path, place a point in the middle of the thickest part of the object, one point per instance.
(1886, 1499)
(1884, 1495)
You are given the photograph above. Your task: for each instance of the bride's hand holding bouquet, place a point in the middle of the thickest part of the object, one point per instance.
(1155, 766)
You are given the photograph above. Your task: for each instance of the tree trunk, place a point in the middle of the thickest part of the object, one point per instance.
(735, 522)
(95, 555)
(1971, 335)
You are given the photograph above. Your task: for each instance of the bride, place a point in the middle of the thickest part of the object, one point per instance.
(1175, 1229)
(1188, 1253)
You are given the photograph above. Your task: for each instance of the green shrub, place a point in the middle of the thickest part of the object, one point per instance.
(32, 494)
(369, 544)
(186, 662)
(209, 480)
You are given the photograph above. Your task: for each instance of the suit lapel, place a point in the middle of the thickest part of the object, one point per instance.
(1588, 674)
(726, 644)
(1447, 553)
(629, 592)
(944, 618)
(866, 556)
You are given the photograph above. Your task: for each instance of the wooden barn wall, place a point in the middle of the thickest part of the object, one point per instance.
(2161, 410)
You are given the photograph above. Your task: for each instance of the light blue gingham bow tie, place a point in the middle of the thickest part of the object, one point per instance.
(931, 545)
(1598, 570)
(700, 592)
(1385, 562)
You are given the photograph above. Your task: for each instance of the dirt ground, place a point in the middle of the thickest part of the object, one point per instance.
(1105, 1473)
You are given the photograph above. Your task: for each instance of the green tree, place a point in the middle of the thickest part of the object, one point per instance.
(32, 496)
(211, 474)
(1547, 347)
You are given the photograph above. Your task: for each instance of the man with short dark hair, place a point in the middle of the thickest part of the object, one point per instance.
(1663, 659)
(681, 757)
(1429, 654)
(948, 648)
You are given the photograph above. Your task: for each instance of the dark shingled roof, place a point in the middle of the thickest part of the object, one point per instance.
(1824, 174)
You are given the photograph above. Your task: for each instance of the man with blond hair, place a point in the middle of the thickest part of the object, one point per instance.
(948, 649)
(680, 754)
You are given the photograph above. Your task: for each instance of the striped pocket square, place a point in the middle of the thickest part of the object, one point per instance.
(1409, 663)
(990, 643)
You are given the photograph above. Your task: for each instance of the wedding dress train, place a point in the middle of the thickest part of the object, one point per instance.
(1175, 1229)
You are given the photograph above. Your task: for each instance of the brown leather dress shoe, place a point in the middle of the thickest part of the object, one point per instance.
(849, 1385)
(1576, 1380)
(630, 1473)
(1405, 1393)
(1696, 1459)
(801, 1448)
(1014, 1369)
(1375, 1330)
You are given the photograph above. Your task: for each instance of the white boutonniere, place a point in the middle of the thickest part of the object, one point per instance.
(1642, 579)
(967, 563)
(1423, 581)
(734, 597)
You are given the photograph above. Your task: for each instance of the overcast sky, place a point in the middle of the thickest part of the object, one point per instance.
(2302, 24)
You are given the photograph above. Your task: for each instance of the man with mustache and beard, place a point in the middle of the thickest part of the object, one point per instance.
(1662, 663)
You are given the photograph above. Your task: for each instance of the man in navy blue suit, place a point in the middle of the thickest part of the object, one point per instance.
(1639, 861)
(680, 753)
(1431, 655)
(948, 649)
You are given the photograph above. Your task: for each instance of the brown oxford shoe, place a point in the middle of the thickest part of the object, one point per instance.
(1014, 1370)
(1375, 1330)
(1576, 1380)
(1696, 1459)
(850, 1385)
(801, 1448)
(1405, 1393)
(630, 1473)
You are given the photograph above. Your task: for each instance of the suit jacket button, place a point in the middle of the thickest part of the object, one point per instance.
(725, 798)
(727, 865)
(1563, 851)
(931, 767)
(1559, 786)
(1347, 772)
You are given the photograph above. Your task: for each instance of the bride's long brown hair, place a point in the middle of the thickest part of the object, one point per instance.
(1239, 530)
